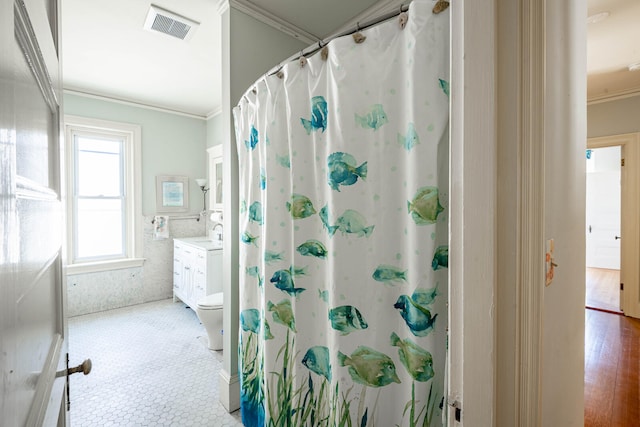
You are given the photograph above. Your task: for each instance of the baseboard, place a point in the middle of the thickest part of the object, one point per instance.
(229, 391)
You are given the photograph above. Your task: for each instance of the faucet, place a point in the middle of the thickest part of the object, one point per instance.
(218, 233)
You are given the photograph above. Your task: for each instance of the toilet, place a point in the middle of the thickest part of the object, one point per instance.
(209, 311)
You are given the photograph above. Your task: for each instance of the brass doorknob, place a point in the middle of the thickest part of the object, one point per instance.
(84, 367)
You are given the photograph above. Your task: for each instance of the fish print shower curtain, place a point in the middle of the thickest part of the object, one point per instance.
(343, 219)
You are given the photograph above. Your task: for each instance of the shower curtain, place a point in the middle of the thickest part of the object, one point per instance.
(343, 162)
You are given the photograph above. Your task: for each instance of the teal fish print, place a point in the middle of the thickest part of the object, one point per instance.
(343, 170)
(248, 239)
(263, 179)
(255, 212)
(444, 85)
(425, 297)
(283, 161)
(389, 273)
(243, 206)
(250, 320)
(282, 313)
(316, 359)
(417, 317)
(255, 272)
(352, 222)
(374, 119)
(346, 319)
(253, 139)
(323, 295)
(425, 206)
(271, 257)
(300, 207)
(267, 331)
(312, 248)
(319, 114)
(409, 140)
(440, 258)
(283, 280)
(417, 361)
(324, 217)
(369, 367)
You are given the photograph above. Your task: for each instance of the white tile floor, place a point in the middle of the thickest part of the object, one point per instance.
(151, 367)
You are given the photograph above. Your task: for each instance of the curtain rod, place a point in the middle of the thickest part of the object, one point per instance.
(322, 43)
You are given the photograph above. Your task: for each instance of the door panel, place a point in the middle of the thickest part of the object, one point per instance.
(33, 342)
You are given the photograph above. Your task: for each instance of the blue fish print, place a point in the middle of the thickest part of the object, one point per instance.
(249, 239)
(312, 248)
(250, 320)
(353, 222)
(417, 317)
(409, 140)
(324, 217)
(323, 295)
(263, 179)
(317, 360)
(255, 212)
(346, 319)
(389, 273)
(343, 170)
(425, 297)
(271, 257)
(283, 161)
(440, 258)
(253, 139)
(318, 115)
(255, 272)
(444, 85)
(374, 119)
(283, 280)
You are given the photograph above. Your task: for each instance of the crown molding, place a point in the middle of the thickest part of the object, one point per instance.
(216, 111)
(622, 94)
(272, 20)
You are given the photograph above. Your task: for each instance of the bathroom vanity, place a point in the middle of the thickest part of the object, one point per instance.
(197, 269)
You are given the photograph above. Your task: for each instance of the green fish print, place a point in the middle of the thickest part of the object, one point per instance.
(312, 248)
(425, 206)
(369, 367)
(346, 319)
(282, 313)
(255, 212)
(425, 297)
(300, 207)
(324, 217)
(255, 272)
(417, 317)
(316, 359)
(267, 331)
(440, 258)
(250, 320)
(323, 295)
(318, 118)
(283, 280)
(283, 161)
(271, 257)
(352, 222)
(444, 85)
(249, 239)
(374, 119)
(343, 170)
(409, 140)
(253, 139)
(389, 273)
(417, 360)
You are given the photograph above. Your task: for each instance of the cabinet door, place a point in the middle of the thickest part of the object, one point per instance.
(200, 275)
(177, 267)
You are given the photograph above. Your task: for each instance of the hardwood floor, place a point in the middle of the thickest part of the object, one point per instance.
(612, 370)
(603, 290)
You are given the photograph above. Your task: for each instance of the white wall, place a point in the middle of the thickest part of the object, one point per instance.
(614, 117)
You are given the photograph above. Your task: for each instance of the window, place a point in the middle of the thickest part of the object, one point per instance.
(103, 195)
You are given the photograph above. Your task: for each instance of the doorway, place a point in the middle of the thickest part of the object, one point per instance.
(603, 211)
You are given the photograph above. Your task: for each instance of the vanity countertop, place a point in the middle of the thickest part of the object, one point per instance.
(202, 242)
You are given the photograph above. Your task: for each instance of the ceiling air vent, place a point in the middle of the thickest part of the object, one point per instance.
(164, 21)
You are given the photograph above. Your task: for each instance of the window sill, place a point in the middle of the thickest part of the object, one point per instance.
(95, 267)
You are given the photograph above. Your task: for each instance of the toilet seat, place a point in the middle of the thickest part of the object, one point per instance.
(211, 302)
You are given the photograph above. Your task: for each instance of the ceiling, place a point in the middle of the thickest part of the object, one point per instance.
(107, 52)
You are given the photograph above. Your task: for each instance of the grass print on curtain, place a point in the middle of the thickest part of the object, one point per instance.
(343, 254)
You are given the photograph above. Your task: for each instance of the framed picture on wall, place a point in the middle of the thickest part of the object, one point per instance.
(172, 193)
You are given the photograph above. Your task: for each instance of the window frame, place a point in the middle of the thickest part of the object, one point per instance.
(132, 151)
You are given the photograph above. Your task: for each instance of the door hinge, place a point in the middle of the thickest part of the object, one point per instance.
(621, 162)
(457, 407)
(622, 286)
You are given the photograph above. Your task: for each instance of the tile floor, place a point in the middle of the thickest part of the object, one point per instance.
(151, 367)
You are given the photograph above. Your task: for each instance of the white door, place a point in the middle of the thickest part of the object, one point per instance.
(33, 343)
(603, 207)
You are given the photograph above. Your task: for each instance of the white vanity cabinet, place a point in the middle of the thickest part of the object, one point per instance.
(197, 269)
